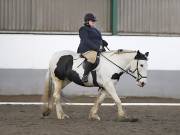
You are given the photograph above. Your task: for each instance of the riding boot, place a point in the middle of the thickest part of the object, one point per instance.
(87, 69)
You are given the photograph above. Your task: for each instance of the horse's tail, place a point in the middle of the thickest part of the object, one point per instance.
(47, 95)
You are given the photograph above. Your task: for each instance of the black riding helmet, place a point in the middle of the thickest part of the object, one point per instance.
(89, 17)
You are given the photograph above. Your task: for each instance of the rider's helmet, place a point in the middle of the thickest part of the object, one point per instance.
(89, 17)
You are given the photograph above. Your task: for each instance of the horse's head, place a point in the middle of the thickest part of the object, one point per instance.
(138, 68)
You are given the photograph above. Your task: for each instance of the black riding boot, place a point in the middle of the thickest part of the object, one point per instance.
(87, 69)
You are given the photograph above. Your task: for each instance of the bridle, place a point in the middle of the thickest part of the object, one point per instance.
(129, 72)
(139, 76)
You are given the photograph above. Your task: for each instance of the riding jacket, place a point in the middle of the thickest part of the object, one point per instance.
(90, 39)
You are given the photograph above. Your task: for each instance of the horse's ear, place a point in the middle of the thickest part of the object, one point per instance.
(147, 54)
(138, 52)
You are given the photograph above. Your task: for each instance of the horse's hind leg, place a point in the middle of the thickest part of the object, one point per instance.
(93, 112)
(47, 97)
(58, 84)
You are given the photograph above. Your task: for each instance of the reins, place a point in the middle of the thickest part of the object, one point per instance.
(126, 71)
(137, 78)
(118, 66)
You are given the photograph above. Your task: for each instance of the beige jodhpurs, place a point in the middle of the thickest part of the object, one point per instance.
(90, 56)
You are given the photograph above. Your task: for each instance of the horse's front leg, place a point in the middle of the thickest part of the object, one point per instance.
(112, 92)
(109, 87)
(93, 112)
(58, 86)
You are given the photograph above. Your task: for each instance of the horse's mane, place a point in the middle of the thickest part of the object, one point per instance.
(138, 55)
(120, 51)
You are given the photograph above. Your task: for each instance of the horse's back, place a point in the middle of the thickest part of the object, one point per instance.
(57, 55)
(63, 53)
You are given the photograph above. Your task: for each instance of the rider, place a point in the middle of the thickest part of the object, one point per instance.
(91, 43)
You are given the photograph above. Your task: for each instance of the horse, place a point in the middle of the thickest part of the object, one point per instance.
(67, 66)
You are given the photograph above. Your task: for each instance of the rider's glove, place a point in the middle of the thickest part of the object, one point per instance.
(104, 43)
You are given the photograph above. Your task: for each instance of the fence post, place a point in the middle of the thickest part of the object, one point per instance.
(114, 16)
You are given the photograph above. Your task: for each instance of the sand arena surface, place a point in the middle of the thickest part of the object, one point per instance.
(26, 120)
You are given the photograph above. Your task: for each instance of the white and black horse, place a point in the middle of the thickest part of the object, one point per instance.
(67, 66)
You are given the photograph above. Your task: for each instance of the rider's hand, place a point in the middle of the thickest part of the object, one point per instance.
(104, 43)
(102, 49)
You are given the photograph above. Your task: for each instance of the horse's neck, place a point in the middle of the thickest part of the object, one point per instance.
(123, 59)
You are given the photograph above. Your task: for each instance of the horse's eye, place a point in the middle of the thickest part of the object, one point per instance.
(141, 65)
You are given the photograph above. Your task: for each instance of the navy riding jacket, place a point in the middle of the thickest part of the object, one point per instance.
(90, 39)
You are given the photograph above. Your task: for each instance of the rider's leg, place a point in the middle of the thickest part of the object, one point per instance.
(91, 59)
(87, 69)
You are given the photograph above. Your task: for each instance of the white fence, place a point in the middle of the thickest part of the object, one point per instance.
(24, 60)
(34, 51)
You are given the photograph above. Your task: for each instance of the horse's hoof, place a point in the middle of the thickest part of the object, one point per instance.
(66, 116)
(94, 117)
(126, 119)
(63, 116)
(46, 113)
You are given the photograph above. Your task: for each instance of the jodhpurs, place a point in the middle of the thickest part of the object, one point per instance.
(90, 56)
